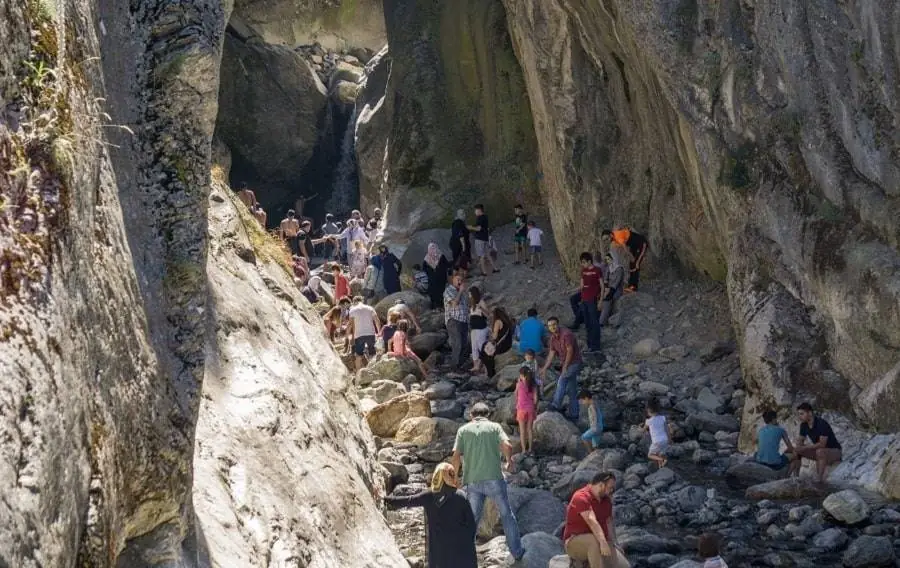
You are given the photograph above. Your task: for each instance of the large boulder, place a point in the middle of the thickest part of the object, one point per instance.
(388, 368)
(423, 344)
(507, 376)
(536, 510)
(384, 420)
(846, 506)
(505, 410)
(752, 473)
(446, 409)
(870, 552)
(382, 391)
(552, 432)
(605, 460)
(780, 489)
(418, 303)
(540, 548)
(710, 422)
(440, 390)
(422, 430)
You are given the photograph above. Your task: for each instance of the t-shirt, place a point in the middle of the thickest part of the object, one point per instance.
(820, 428)
(521, 225)
(657, 426)
(531, 335)
(330, 229)
(534, 236)
(524, 397)
(590, 283)
(482, 234)
(636, 243)
(769, 444)
(479, 443)
(582, 501)
(363, 317)
(341, 287)
(563, 339)
(715, 562)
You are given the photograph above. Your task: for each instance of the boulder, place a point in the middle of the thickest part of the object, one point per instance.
(572, 482)
(638, 541)
(846, 506)
(710, 401)
(440, 390)
(451, 409)
(646, 347)
(397, 471)
(536, 510)
(653, 388)
(423, 344)
(790, 488)
(505, 411)
(552, 432)
(870, 552)
(560, 561)
(385, 419)
(437, 451)
(673, 352)
(540, 548)
(830, 539)
(716, 350)
(431, 321)
(417, 302)
(388, 368)
(690, 498)
(662, 477)
(507, 376)
(604, 460)
(710, 422)
(422, 430)
(382, 391)
(752, 473)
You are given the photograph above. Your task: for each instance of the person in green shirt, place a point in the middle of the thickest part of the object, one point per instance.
(481, 444)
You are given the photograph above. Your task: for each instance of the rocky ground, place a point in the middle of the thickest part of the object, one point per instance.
(673, 341)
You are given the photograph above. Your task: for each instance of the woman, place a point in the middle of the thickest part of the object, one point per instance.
(437, 268)
(359, 259)
(617, 259)
(460, 243)
(398, 345)
(500, 342)
(373, 281)
(449, 523)
(478, 326)
(390, 268)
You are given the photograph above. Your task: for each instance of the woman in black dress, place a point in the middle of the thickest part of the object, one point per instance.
(460, 243)
(500, 340)
(449, 523)
(437, 268)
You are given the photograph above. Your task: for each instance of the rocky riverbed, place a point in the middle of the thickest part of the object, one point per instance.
(672, 341)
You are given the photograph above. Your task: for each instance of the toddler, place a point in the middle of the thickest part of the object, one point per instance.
(531, 363)
(399, 346)
(659, 435)
(526, 407)
(591, 437)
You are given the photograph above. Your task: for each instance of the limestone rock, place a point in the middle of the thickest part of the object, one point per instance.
(440, 390)
(870, 552)
(446, 409)
(710, 422)
(382, 391)
(423, 344)
(846, 506)
(710, 401)
(646, 347)
(540, 548)
(415, 301)
(505, 412)
(551, 432)
(536, 511)
(790, 488)
(422, 430)
(506, 377)
(752, 473)
(385, 419)
(604, 460)
(662, 477)
(388, 368)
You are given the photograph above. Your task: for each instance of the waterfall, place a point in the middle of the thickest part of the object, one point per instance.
(345, 189)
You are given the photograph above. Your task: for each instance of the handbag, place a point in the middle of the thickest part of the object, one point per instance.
(490, 348)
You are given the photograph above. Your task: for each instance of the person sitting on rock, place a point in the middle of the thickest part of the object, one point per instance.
(824, 449)
(389, 329)
(591, 436)
(450, 527)
(398, 346)
(659, 433)
(401, 309)
(770, 436)
(589, 533)
(708, 546)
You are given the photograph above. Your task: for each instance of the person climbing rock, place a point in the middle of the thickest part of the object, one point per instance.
(520, 238)
(247, 196)
(591, 289)
(480, 446)
(460, 242)
(401, 309)
(289, 228)
(659, 433)
(437, 267)
(260, 215)
(341, 284)
(637, 245)
(373, 281)
(770, 436)
(364, 326)
(450, 526)
(482, 234)
(304, 239)
(499, 341)
(391, 267)
(456, 318)
(589, 533)
(591, 437)
(564, 345)
(398, 345)
(532, 333)
(824, 448)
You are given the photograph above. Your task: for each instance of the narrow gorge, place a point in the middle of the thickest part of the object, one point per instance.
(171, 399)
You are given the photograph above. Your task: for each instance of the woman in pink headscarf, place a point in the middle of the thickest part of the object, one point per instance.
(436, 267)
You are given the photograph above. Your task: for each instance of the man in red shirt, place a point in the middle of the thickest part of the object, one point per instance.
(564, 344)
(589, 533)
(591, 291)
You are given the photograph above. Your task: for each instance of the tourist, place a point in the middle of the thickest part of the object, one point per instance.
(637, 245)
(824, 448)
(303, 237)
(436, 269)
(659, 433)
(351, 233)
(460, 242)
(373, 281)
(331, 231)
(364, 326)
(770, 436)
(591, 436)
(359, 259)
(481, 444)
(289, 228)
(388, 330)
(391, 267)
(589, 533)
(478, 326)
(532, 333)
(482, 234)
(456, 318)
(357, 217)
(341, 284)
(311, 290)
(371, 229)
(260, 215)
(450, 526)
(526, 407)
(405, 312)
(520, 238)
(398, 345)
(500, 340)
(616, 261)
(591, 288)
(564, 344)
(534, 243)
(530, 361)
(247, 196)
(708, 546)
(300, 203)
(335, 321)
(420, 280)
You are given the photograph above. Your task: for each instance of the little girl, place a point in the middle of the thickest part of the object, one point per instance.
(398, 346)
(389, 329)
(359, 259)
(526, 407)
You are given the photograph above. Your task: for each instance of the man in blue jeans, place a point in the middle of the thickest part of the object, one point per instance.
(483, 443)
(564, 344)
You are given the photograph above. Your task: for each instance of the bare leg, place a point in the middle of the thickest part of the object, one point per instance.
(531, 435)
(523, 435)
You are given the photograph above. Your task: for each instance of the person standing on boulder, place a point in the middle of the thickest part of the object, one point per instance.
(589, 533)
(482, 444)
(564, 344)
(436, 268)
(391, 267)
(290, 226)
(824, 450)
(482, 241)
(460, 242)
(456, 318)
(591, 289)
(364, 325)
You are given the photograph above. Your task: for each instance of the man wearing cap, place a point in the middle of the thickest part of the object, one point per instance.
(481, 444)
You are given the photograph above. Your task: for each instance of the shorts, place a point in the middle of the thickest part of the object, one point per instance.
(776, 466)
(535, 249)
(363, 345)
(481, 248)
(525, 415)
(520, 239)
(658, 449)
(592, 436)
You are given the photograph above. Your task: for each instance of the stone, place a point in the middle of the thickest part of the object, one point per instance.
(423, 344)
(440, 390)
(830, 539)
(397, 471)
(691, 498)
(540, 548)
(870, 552)
(716, 350)
(446, 409)
(710, 422)
(385, 419)
(382, 391)
(436, 452)
(709, 401)
(551, 432)
(674, 352)
(505, 410)
(536, 510)
(604, 460)
(415, 301)
(572, 482)
(388, 368)
(846, 506)
(560, 561)
(638, 541)
(752, 473)
(686, 563)
(646, 347)
(506, 377)
(662, 477)
(653, 388)
(790, 488)
(422, 430)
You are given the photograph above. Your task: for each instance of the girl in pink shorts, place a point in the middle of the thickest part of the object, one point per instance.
(526, 407)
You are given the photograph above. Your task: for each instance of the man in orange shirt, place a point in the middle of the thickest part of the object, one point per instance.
(589, 533)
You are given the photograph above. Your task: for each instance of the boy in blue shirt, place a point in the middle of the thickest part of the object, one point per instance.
(770, 437)
(532, 333)
(591, 437)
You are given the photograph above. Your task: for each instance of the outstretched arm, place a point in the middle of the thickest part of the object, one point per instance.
(397, 502)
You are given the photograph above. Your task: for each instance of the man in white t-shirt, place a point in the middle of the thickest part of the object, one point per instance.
(534, 243)
(364, 325)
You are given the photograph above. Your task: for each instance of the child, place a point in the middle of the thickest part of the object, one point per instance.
(399, 346)
(534, 241)
(659, 436)
(526, 407)
(591, 437)
(387, 331)
(359, 260)
(341, 285)
(708, 546)
(531, 363)
(521, 235)
(421, 279)
(336, 319)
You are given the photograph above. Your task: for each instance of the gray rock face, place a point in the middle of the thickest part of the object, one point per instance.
(830, 539)
(870, 551)
(846, 506)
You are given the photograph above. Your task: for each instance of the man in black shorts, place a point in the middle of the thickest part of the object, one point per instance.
(482, 234)
(824, 449)
(364, 325)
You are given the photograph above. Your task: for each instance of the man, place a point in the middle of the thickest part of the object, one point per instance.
(564, 344)
(376, 216)
(637, 245)
(481, 443)
(364, 326)
(589, 533)
(824, 450)
(770, 436)
(247, 196)
(303, 237)
(330, 230)
(456, 318)
(290, 227)
(575, 299)
(482, 236)
(404, 312)
(590, 293)
(300, 203)
(260, 215)
(521, 236)
(532, 333)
